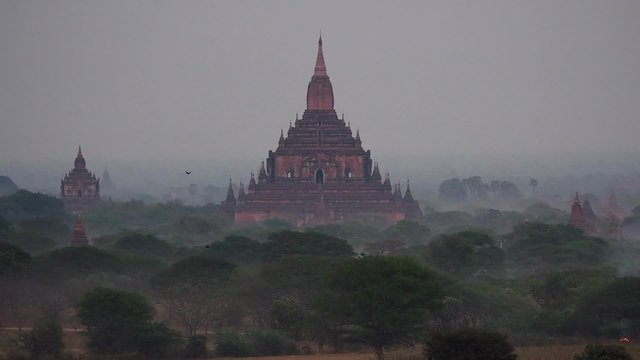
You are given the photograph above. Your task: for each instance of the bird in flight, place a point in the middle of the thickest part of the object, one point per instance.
(187, 172)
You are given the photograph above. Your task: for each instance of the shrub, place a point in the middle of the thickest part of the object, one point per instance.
(44, 339)
(271, 343)
(196, 347)
(232, 344)
(469, 344)
(157, 341)
(603, 352)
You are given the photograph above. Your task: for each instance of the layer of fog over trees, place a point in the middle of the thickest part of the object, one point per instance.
(156, 180)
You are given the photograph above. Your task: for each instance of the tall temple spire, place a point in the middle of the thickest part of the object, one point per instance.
(252, 183)
(407, 194)
(577, 218)
(241, 193)
(376, 172)
(387, 181)
(397, 193)
(320, 68)
(231, 199)
(79, 163)
(262, 175)
(320, 91)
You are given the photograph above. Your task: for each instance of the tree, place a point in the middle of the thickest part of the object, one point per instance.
(45, 338)
(469, 344)
(144, 245)
(7, 186)
(13, 260)
(380, 300)
(120, 321)
(452, 190)
(31, 241)
(76, 262)
(287, 243)
(533, 184)
(474, 184)
(408, 231)
(464, 253)
(603, 352)
(613, 310)
(194, 225)
(5, 227)
(533, 247)
(508, 190)
(23, 204)
(293, 279)
(495, 188)
(496, 220)
(541, 212)
(191, 290)
(234, 248)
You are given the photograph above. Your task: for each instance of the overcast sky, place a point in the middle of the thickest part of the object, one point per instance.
(209, 79)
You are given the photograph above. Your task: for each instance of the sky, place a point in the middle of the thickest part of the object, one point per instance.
(173, 80)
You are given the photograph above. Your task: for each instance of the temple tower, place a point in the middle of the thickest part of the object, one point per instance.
(80, 189)
(578, 218)
(79, 235)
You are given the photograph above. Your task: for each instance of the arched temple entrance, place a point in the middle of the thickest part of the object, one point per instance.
(319, 177)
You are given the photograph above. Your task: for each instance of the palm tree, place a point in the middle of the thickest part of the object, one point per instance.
(533, 183)
(495, 187)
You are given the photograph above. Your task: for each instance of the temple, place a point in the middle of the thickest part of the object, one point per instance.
(582, 218)
(319, 173)
(80, 189)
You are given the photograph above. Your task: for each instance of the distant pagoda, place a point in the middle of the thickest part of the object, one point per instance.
(319, 172)
(580, 220)
(106, 185)
(80, 189)
(79, 235)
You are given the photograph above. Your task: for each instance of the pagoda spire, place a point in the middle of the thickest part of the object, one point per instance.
(320, 90)
(387, 181)
(252, 183)
(231, 199)
(320, 68)
(79, 163)
(376, 172)
(241, 193)
(407, 194)
(397, 193)
(262, 175)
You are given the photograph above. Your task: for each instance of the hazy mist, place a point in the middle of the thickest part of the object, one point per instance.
(446, 84)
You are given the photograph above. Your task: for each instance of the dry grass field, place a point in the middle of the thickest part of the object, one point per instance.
(75, 342)
(551, 352)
